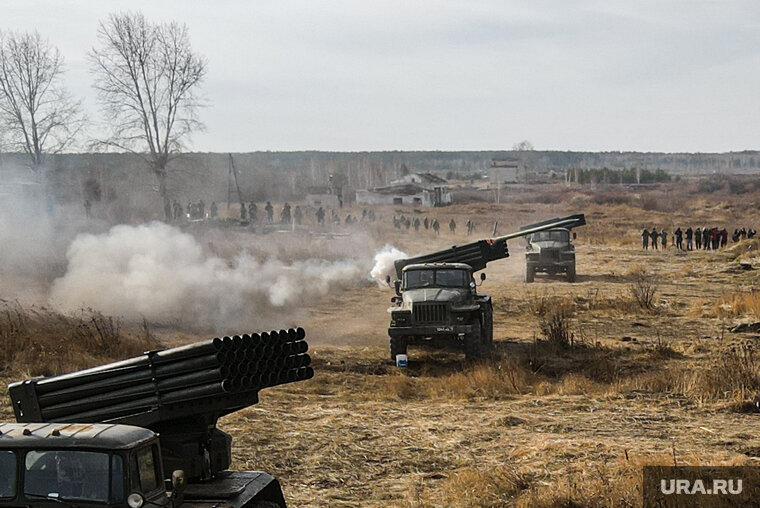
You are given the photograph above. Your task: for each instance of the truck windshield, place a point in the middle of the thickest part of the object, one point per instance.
(550, 236)
(439, 278)
(73, 475)
(7, 474)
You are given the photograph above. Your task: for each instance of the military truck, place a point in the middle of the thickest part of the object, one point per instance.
(437, 301)
(142, 432)
(550, 251)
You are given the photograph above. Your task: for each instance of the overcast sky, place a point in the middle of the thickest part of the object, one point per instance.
(646, 75)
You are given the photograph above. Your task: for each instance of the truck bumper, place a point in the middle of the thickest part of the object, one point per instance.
(428, 330)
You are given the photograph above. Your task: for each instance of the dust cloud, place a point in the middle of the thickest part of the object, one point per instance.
(162, 274)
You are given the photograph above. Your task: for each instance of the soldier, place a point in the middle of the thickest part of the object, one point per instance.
(320, 216)
(298, 215)
(213, 210)
(645, 239)
(436, 227)
(689, 237)
(285, 214)
(416, 224)
(723, 237)
(252, 211)
(426, 223)
(87, 208)
(470, 227)
(705, 238)
(452, 226)
(201, 209)
(698, 237)
(679, 239)
(751, 232)
(654, 235)
(269, 209)
(664, 237)
(242, 211)
(743, 233)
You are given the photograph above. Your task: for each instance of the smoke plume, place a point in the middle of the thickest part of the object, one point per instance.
(158, 272)
(383, 267)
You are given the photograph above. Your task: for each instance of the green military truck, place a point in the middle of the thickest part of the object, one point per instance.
(437, 301)
(550, 251)
(142, 432)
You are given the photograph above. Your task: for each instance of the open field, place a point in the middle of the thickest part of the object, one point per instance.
(538, 424)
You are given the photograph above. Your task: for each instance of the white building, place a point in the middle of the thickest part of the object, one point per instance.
(416, 189)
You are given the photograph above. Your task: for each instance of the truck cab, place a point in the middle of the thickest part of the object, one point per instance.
(106, 465)
(437, 303)
(84, 465)
(550, 252)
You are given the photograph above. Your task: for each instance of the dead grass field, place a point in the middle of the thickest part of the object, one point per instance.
(541, 423)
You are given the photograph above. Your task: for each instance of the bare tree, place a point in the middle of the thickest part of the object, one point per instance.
(146, 76)
(523, 146)
(37, 114)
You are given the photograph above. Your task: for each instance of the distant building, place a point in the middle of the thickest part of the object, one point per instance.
(326, 197)
(504, 171)
(417, 189)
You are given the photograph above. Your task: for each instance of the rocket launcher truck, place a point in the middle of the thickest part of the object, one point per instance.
(142, 432)
(436, 298)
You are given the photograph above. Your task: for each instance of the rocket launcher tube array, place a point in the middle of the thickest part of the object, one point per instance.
(203, 373)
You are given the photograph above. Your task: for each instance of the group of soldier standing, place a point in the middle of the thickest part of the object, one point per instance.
(430, 224)
(696, 239)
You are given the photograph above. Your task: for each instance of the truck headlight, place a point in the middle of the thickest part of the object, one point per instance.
(135, 500)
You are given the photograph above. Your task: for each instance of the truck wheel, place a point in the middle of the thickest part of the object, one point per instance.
(398, 347)
(472, 343)
(529, 273)
(571, 273)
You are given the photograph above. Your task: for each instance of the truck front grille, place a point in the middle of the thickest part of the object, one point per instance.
(429, 312)
(550, 255)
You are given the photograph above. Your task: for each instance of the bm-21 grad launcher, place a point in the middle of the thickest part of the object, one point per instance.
(436, 296)
(121, 434)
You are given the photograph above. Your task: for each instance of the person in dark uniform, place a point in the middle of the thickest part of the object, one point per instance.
(698, 238)
(252, 211)
(269, 209)
(689, 238)
(654, 236)
(320, 216)
(452, 226)
(213, 210)
(426, 223)
(436, 227)
(645, 239)
(679, 239)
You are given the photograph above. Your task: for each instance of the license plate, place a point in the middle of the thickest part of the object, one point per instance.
(445, 329)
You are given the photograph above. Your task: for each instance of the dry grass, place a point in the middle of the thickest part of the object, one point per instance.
(738, 304)
(35, 341)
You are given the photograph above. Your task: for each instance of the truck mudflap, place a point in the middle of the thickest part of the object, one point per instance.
(234, 489)
(428, 330)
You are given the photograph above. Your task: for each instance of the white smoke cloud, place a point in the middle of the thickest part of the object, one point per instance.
(158, 272)
(383, 266)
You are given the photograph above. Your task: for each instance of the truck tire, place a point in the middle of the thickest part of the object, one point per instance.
(529, 273)
(571, 273)
(473, 345)
(398, 347)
